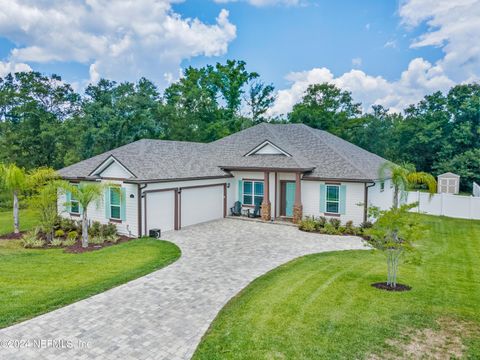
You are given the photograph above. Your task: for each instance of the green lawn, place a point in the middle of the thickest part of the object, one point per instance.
(28, 219)
(323, 307)
(36, 281)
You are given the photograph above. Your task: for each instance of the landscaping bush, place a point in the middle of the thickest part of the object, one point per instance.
(109, 230)
(308, 224)
(95, 229)
(330, 229)
(335, 222)
(69, 242)
(31, 239)
(59, 233)
(72, 235)
(68, 225)
(366, 225)
(350, 229)
(97, 240)
(56, 242)
(102, 230)
(113, 238)
(321, 221)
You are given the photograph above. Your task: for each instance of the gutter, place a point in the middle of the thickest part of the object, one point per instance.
(132, 181)
(365, 206)
(139, 207)
(263, 168)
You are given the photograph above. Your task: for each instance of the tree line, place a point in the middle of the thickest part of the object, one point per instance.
(44, 122)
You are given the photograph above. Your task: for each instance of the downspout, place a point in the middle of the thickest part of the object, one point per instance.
(365, 207)
(139, 207)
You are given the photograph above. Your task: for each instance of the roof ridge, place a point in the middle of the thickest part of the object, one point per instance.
(315, 133)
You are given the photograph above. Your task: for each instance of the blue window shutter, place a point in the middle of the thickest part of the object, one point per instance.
(107, 203)
(123, 206)
(68, 204)
(322, 198)
(343, 199)
(240, 191)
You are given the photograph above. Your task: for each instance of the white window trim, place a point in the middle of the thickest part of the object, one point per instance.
(253, 195)
(112, 205)
(332, 201)
(74, 201)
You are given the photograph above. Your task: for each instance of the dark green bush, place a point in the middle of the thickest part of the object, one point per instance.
(321, 220)
(366, 225)
(335, 222)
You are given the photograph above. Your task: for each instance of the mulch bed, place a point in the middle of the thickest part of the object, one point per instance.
(12, 236)
(385, 286)
(78, 249)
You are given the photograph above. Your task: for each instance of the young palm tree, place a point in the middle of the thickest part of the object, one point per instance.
(86, 194)
(403, 176)
(14, 180)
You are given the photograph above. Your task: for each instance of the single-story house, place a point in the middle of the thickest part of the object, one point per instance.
(292, 170)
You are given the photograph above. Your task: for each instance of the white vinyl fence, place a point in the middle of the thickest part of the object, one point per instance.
(456, 206)
(476, 189)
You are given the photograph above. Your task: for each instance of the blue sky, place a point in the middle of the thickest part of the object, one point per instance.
(277, 40)
(386, 52)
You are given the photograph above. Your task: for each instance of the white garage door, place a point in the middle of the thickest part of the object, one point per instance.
(160, 210)
(201, 204)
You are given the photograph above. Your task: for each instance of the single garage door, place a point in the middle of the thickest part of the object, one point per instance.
(160, 210)
(201, 204)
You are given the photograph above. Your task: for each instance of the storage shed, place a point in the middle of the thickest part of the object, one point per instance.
(448, 183)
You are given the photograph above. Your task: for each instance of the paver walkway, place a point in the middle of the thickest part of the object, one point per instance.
(163, 315)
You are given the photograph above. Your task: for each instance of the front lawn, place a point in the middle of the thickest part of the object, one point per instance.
(28, 220)
(323, 307)
(33, 282)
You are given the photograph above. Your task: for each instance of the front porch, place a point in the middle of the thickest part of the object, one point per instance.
(281, 220)
(270, 194)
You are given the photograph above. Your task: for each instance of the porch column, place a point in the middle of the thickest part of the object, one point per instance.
(266, 205)
(297, 206)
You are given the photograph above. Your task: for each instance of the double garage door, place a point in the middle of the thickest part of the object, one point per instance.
(170, 209)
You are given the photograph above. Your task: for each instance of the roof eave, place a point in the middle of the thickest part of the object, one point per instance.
(265, 168)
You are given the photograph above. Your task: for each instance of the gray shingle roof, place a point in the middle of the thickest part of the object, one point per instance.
(318, 153)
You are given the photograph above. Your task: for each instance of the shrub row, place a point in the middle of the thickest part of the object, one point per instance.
(332, 226)
(68, 232)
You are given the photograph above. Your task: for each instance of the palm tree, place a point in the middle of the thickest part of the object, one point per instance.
(85, 194)
(14, 180)
(403, 176)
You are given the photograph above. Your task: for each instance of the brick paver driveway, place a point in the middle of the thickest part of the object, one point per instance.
(163, 315)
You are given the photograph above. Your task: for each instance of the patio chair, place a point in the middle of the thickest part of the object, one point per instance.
(255, 213)
(236, 209)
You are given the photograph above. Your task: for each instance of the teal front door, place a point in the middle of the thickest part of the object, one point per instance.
(289, 198)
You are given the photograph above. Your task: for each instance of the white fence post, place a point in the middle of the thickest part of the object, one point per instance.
(441, 203)
(418, 200)
(470, 206)
(476, 189)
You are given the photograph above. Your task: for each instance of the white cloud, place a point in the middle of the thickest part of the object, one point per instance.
(10, 67)
(419, 79)
(390, 44)
(451, 25)
(121, 40)
(357, 62)
(261, 3)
